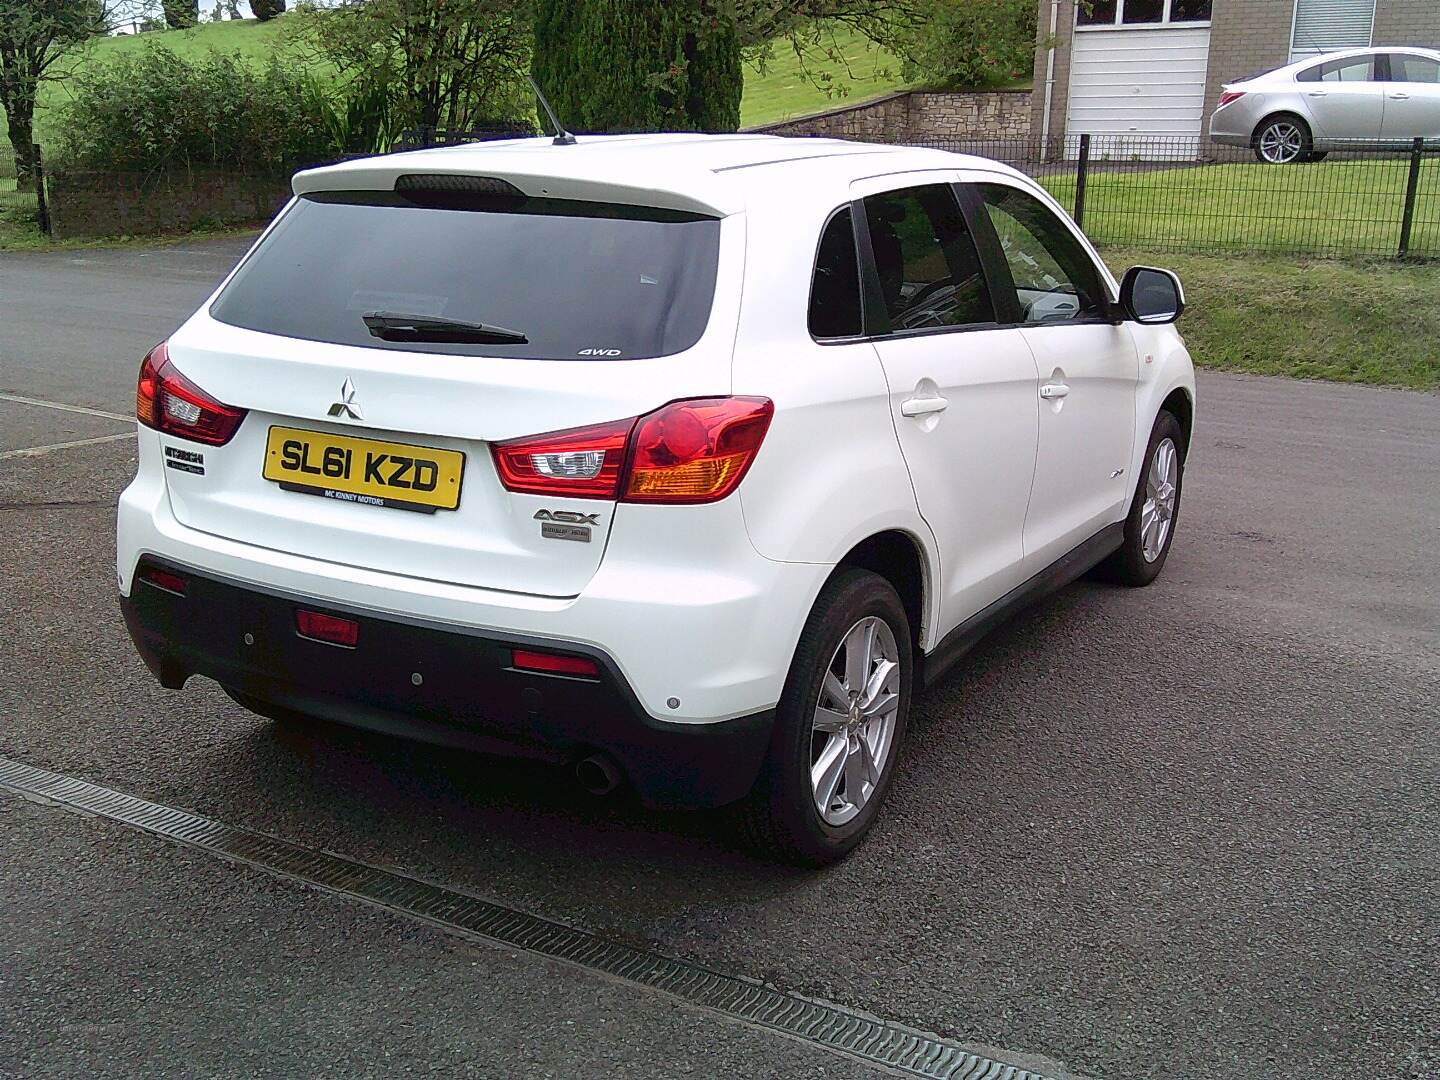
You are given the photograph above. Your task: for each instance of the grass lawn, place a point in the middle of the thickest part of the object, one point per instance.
(1330, 208)
(784, 91)
(1347, 321)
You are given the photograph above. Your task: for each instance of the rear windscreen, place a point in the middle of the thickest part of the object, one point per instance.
(579, 280)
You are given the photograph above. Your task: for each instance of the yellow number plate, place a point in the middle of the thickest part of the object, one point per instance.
(368, 471)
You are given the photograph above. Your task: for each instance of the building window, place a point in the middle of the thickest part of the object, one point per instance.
(1323, 26)
(1141, 12)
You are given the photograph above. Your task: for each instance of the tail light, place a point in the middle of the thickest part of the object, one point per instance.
(1231, 95)
(694, 451)
(582, 462)
(167, 401)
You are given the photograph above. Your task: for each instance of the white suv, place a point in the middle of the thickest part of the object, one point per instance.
(683, 459)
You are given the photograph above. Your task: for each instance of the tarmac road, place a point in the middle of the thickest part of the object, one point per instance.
(1186, 831)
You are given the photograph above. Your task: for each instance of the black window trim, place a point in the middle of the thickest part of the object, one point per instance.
(875, 320)
(842, 339)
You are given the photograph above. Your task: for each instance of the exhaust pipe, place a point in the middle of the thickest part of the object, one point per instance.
(598, 774)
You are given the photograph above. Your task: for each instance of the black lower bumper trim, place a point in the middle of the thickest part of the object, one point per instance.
(440, 683)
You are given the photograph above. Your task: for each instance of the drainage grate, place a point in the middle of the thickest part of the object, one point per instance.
(832, 1026)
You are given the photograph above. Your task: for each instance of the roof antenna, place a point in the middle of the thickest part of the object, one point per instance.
(562, 137)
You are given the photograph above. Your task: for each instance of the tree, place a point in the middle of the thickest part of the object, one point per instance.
(265, 10)
(181, 14)
(437, 63)
(35, 37)
(964, 44)
(636, 65)
(640, 65)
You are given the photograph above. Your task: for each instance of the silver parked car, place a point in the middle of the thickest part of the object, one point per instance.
(1300, 112)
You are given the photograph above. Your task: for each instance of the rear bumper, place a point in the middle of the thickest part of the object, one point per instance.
(436, 682)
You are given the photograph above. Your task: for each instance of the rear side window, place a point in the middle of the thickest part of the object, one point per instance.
(925, 260)
(576, 280)
(835, 285)
(1352, 69)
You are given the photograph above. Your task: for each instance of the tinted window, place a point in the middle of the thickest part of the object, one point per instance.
(1418, 69)
(1189, 10)
(925, 260)
(835, 286)
(1143, 11)
(1098, 11)
(1054, 277)
(571, 277)
(1355, 69)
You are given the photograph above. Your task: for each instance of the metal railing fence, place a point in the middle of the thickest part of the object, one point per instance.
(1193, 195)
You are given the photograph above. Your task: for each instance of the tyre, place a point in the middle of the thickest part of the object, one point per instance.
(1150, 528)
(1283, 140)
(838, 727)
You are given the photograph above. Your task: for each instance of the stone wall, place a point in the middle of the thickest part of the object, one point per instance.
(134, 204)
(919, 117)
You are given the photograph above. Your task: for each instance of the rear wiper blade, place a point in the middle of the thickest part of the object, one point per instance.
(396, 326)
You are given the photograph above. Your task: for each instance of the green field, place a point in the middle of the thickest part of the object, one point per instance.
(1329, 208)
(862, 70)
(1344, 320)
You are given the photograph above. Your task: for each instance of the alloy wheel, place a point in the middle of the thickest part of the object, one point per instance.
(854, 723)
(1280, 143)
(1161, 492)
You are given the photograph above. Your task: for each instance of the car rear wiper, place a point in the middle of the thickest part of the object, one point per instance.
(395, 326)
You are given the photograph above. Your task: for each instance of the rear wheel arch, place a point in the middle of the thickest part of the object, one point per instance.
(1279, 114)
(900, 559)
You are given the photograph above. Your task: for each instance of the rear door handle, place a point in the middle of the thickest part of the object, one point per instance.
(1399, 97)
(1053, 391)
(1317, 93)
(919, 406)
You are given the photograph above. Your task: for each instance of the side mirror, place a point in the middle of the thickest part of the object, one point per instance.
(1152, 296)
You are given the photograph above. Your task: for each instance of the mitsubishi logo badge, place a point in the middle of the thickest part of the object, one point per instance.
(346, 408)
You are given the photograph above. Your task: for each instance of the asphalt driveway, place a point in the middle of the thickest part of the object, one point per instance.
(1186, 831)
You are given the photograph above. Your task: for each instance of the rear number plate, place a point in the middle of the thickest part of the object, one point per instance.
(369, 471)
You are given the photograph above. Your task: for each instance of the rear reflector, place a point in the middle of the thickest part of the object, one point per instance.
(330, 629)
(167, 580)
(554, 663)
